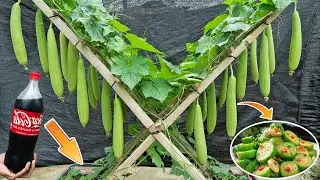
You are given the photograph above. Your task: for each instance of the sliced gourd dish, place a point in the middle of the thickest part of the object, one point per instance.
(274, 152)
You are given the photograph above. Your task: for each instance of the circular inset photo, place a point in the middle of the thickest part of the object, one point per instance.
(274, 150)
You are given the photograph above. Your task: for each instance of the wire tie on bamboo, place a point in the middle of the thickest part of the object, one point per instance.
(266, 23)
(77, 43)
(231, 51)
(157, 127)
(54, 15)
(195, 88)
(246, 42)
(268, 19)
(116, 81)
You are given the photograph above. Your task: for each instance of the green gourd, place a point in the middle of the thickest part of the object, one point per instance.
(204, 105)
(231, 107)
(296, 42)
(264, 73)
(17, 36)
(223, 87)
(117, 136)
(92, 99)
(64, 55)
(190, 118)
(212, 109)
(254, 62)
(95, 83)
(272, 56)
(199, 136)
(42, 42)
(54, 64)
(242, 74)
(82, 94)
(72, 67)
(106, 107)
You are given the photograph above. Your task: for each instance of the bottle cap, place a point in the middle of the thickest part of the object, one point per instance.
(35, 76)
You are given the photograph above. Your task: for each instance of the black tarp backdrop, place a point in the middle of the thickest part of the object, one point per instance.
(168, 25)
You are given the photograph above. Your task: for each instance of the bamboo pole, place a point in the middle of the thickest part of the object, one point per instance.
(134, 106)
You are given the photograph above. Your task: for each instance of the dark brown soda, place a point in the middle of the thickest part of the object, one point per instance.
(21, 148)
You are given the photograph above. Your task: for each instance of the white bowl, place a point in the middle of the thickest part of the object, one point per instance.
(294, 177)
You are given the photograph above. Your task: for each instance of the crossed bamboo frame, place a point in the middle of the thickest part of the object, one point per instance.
(155, 127)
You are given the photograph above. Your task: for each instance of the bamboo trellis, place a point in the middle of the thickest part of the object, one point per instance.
(155, 128)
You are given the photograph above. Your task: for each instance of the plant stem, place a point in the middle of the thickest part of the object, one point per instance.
(231, 69)
(145, 157)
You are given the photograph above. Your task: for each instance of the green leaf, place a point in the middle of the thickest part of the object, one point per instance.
(224, 39)
(231, 20)
(205, 43)
(108, 150)
(167, 71)
(173, 68)
(75, 172)
(237, 27)
(156, 159)
(140, 43)
(282, 4)
(153, 69)
(156, 89)
(160, 149)
(219, 172)
(177, 170)
(93, 31)
(70, 3)
(90, 3)
(91, 27)
(133, 128)
(262, 11)
(187, 65)
(131, 70)
(107, 30)
(120, 27)
(215, 22)
(191, 47)
(269, 2)
(117, 43)
(187, 81)
(240, 10)
(191, 140)
(205, 59)
(229, 2)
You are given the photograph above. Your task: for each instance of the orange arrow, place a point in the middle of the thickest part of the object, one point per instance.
(266, 113)
(68, 146)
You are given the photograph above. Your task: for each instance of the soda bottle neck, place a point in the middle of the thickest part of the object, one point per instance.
(34, 84)
(31, 91)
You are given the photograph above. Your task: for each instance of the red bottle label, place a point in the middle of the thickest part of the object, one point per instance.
(25, 123)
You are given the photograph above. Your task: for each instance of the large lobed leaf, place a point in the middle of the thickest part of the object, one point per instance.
(156, 88)
(130, 70)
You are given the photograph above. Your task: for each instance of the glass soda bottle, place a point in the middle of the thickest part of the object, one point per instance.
(25, 125)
